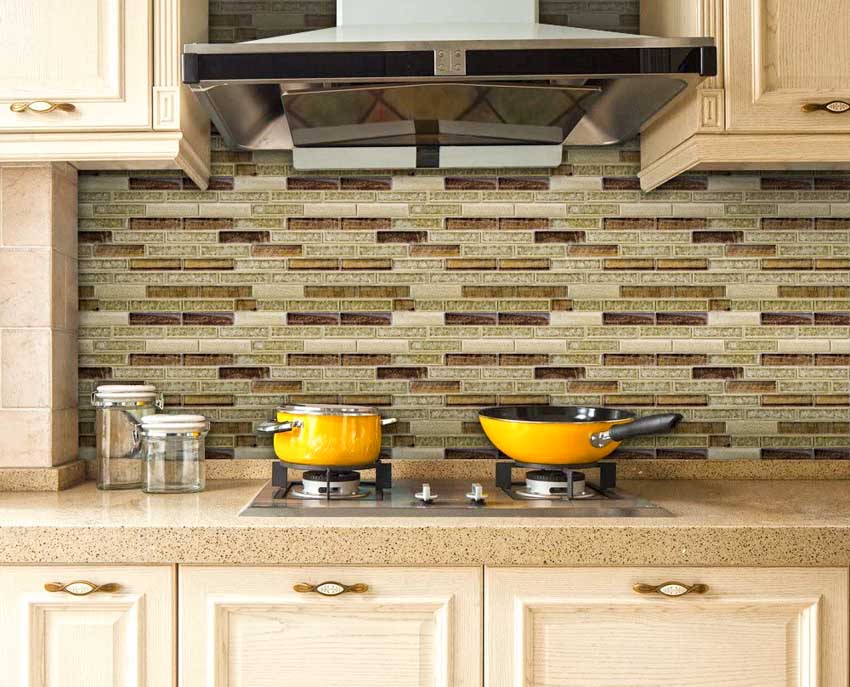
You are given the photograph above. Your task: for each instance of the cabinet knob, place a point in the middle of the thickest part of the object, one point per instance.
(41, 107)
(331, 588)
(835, 107)
(670, 589)
(81, 587)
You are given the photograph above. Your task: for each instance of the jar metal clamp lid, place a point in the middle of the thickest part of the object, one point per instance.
(158, 425)
(126, 395)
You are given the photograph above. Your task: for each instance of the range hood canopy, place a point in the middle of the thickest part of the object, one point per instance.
(443, 83)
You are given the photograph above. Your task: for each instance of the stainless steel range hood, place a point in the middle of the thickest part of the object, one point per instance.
(443, 83)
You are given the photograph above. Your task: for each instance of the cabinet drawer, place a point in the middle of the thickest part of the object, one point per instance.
(91, 54)
(590, 627)
(379, 627)
(85, 635)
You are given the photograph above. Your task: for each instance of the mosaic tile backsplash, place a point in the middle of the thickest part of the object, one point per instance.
(725, 297)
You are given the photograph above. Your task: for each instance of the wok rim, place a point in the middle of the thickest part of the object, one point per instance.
(609, 415)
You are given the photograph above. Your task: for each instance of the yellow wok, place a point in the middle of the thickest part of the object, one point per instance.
(566, 435)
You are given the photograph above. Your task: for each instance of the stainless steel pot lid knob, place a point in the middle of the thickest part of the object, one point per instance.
(425, 495)
(477, 494)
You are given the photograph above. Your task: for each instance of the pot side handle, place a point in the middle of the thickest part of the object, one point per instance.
(277, 427)
(388, 421)
(651, 424)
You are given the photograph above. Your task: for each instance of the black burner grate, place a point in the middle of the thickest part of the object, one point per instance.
(280, 477)
(607, 475)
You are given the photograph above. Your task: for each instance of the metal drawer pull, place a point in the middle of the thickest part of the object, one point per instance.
(331, 588)
(41, 107)
(670, 589)
(836, 107)
(81, 587)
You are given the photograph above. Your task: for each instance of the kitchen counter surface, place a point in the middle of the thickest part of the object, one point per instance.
(742, 523)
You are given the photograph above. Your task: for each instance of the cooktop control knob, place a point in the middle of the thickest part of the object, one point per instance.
(477, 494)
(425, 495)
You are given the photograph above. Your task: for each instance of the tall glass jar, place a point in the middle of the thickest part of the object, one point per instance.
(173, 447)
(120, 409)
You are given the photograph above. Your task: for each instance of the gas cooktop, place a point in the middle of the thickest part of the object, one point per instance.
(546, 492)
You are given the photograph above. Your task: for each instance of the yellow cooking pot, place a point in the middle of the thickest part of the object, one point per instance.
(327, 435)
(566, 435)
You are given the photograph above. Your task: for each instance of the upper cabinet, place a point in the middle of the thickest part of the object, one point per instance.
(783, 56)
(97, 83)
(782, 64)
(89, 55)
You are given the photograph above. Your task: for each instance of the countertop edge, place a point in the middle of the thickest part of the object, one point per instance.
(700, 545)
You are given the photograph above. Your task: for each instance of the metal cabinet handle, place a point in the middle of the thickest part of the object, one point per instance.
(41, 107)
(835, 107)
(81, 587)
(670, 589)
(331, 588)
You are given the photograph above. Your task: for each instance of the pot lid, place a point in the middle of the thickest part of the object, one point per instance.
(329, 409)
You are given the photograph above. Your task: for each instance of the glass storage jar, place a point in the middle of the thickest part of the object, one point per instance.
(119, 410)
(173, 447)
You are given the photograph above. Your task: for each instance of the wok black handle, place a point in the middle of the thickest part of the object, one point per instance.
(651, 424)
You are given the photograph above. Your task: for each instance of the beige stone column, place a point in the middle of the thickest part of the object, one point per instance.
(38, 315)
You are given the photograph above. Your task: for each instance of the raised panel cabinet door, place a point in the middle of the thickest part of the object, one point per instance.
(91, 58)
(783, 55)
(87, 633)
(399, 627)
(588, 627)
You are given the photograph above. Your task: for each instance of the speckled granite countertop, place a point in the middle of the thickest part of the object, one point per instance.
(743, 523)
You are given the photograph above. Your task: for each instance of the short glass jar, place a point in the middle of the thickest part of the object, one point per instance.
(173, 447)
(119, 410)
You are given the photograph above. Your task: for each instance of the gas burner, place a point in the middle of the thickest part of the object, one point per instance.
(554, 482)
(547, 484)
(329, 484)
(336, 484)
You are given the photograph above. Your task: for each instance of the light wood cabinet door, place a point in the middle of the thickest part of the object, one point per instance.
(782, 54)
(588, 628)
(248, 627)
(123, 638)
(93, 54)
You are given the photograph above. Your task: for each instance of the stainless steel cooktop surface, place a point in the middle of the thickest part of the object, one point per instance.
(450, 498)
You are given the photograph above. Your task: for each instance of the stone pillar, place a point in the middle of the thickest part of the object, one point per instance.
(38, 315)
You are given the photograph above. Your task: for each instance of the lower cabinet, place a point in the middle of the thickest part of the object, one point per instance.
(689, 627)
(87, 626)
(114, 626)
(326, 627)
